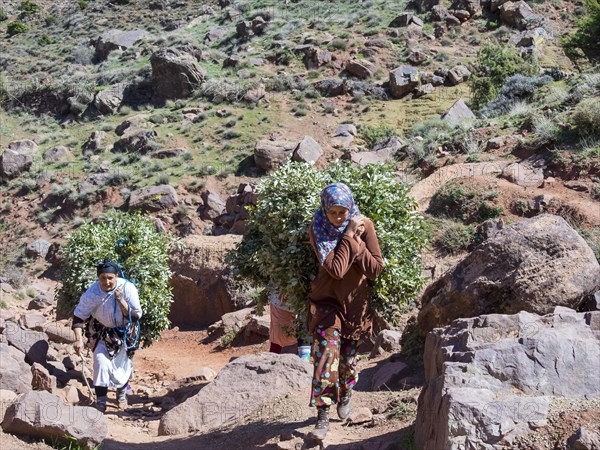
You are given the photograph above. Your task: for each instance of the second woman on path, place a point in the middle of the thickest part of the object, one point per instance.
(339, 314)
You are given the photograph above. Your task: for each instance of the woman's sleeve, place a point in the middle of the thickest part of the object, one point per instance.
(84, 308)
(370, 260)
(342, 257)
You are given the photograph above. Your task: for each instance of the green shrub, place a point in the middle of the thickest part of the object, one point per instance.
(338, 44)
(16, 27)
(455, 200)
(3, 15)
(455, 237)
(142, 252)
(83, 4)
(586, 116)
(588, 30)
(373, 135)
(495, 63)
(29, 8)
(274, 253)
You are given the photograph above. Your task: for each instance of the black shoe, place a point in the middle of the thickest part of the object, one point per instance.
(322, 426)
(101, 404)
(343, 407)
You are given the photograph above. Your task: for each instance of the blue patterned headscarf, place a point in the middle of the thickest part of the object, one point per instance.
(326, 234)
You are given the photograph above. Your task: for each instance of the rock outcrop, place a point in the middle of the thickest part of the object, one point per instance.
(490, 379)
(240, 388)
(532, 265)
(175, 73)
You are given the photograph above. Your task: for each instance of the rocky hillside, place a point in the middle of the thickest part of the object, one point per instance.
(489, 109)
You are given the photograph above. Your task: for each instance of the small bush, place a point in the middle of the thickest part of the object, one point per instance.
(338, 44)
(3, 15)
(457, 201)
(586, 116)
(546, 129)
(372, 135)
(495, 63)
(16, 27)
(83, 4)
(454, 237)
(588, 30)
(29, 8)
(516, 88)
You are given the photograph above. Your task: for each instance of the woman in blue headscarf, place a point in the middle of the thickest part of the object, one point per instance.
(339, 313)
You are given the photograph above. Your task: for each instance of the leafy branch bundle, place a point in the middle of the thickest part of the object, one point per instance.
(143, 255)
(275, 252)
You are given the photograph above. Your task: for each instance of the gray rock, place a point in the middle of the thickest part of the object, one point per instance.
(60, 332)
(472, 6)
(332, 87)
(214, 35)
(593, 303)
(361, 68)
(308, 150)
(57, 153)
(403, 20)
(417, 58)
(584, 439)
(381, 156)
(387, 374)
(532, 265)
(168, 153)
(360, 415)
(452, 21)
(136, 140)
(425, 5)
(232, 61)
(175, 74)
(154, 198)
(213, 206)
(490, 379)
(458, 74)
(240, 388)
(6, 398)
(345, 129)
(439, 13)
(258, 326)
(15, 375)
(117, 40)
(403, 80)
(34, 344)
(33, 321)
(424, 89)
(37, 249)
(17, 158)
(44, 415)
(393, 143)
(524, 174)
(271, 154)
(316, 57)
(460, 14)
(95, 143)
(41, 378)
(495, 143)
(515, 14)
(236, 321)
(387, 341)
(458, 111)
(417, 21)
(109, 100)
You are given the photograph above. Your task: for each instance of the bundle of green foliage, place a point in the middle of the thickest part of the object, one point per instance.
(275, 252)
(131, 240)
(16, 27)
(588, 29)
(495, 63)
(373, 135)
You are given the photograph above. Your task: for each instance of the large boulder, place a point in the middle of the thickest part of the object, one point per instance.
(117, 39)
(15, 375)
(44, 415)
(316, 57)
(524, 174)
(458, 111)
(425, 5)
(515, 14)
(38, 248)
(240, 388)
(532, 265)
(361, 68)
(58, 153)
(213, 206)
(458, 74)
(17, 158)
(108, 100)
(308, 150)
(136, 140)
(492, 378)
(34, 344)
(175, 73)
(95, 143)
(403, 80)
(202, 287)
(269, 154)
(153, 198)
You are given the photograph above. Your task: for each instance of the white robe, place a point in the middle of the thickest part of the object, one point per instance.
(101, 305)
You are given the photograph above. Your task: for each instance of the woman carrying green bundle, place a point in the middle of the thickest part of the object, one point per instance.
(339, 313)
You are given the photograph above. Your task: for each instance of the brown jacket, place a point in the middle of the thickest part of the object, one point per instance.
(340, 293)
